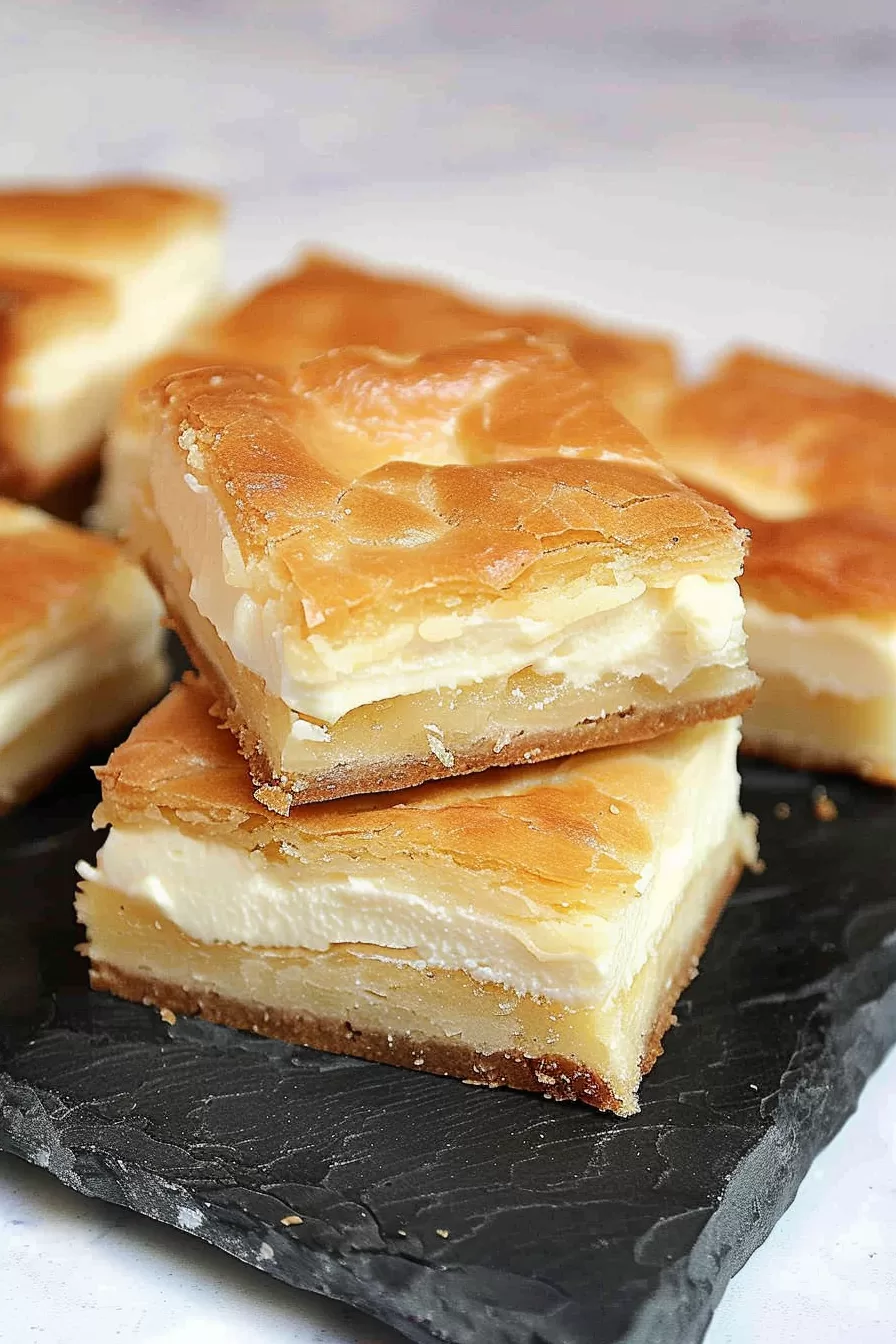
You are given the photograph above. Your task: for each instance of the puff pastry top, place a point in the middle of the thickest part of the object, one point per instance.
(47, 571)
(594, 818)
(784, 441)
(99, 229)
(378, 482)
(40, 306)
(835, 563)
(326, 303)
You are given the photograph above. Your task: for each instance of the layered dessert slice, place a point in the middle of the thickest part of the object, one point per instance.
(327, 303)
(80, 646)
(406, 568)
(530, 928)
(821, 620)
(93, 281)
(808, 463)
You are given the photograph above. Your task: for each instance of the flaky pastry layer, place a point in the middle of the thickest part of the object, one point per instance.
(328, 303)
(782, 440)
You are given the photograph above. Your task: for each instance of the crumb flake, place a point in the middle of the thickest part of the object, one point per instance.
(292, 1220)
(443, 1233)
(167, 1016)
(438, 748)
(823, 805)
(782, 811)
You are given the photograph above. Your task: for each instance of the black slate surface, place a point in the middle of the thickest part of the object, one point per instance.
(563, 1226)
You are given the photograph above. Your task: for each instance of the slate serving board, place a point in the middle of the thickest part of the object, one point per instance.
(452, 1212)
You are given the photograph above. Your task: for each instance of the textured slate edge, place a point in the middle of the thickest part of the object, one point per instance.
(819, 1092)
(845, 1041)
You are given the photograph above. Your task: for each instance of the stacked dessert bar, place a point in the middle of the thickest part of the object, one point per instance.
(456, 788)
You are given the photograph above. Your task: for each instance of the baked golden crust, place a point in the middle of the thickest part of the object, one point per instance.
(327, 303)
(37, 306)
(823, 565)
(485, 468)
(594, 816)
(783, 440)
(45, 566)
(99, 228)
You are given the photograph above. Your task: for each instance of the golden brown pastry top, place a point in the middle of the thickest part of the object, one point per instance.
(48, 573)
(835, 563)
(99, 229)
(37, 307)
(487, 468)
(594, 816)
(327, 303)
(784, 441)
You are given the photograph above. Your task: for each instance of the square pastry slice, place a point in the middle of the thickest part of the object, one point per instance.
(80, 646)
(808, 463)
(821, 619)
(530, 927)
(93, 281)
(405, 568)
(327, 303)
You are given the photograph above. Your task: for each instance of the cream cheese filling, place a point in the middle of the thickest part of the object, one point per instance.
(850, 656)
(585, 632)
(427, 912)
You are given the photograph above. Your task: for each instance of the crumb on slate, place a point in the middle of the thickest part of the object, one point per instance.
(401, 1232)
(442, 1232)
(782, 811)
(823, 806)
(292, 1220)
(167, 1016)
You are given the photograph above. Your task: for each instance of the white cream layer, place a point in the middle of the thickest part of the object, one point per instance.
(850, 656)
(585, 632)
(427, 912)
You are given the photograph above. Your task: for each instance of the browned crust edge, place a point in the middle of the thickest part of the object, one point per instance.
(555, 1077)
(800, 757)
(280, 792)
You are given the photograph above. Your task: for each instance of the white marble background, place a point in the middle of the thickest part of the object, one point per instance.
(722, 168)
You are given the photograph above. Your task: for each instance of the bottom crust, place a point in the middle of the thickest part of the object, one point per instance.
(555, 1076)
(789, 724)
(281, 792)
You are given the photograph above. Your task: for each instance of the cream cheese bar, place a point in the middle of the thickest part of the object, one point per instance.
(531, 927)
(327, 303)
(808, 463)
(80, 646)
(93, 281)
(402, 568)
(821, 621)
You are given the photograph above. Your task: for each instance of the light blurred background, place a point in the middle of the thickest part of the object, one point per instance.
(723, 169)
